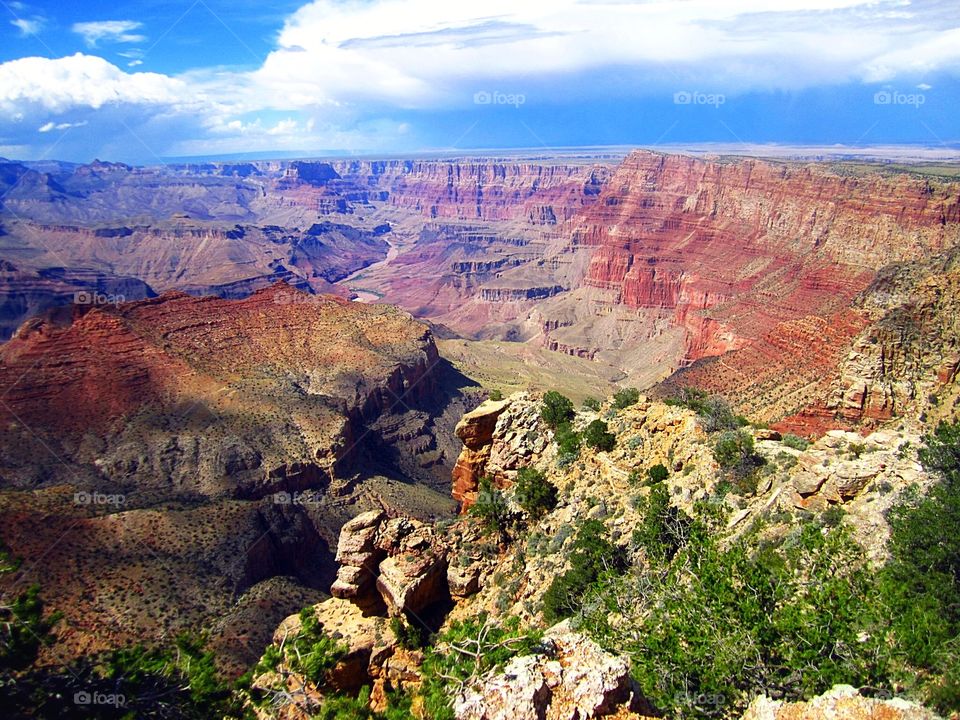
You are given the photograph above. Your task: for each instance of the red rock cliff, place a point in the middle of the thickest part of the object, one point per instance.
(482, 189)
(762, 258)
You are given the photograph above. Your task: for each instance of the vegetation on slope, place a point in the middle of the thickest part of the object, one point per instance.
(708, 621)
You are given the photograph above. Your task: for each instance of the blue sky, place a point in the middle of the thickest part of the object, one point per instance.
(151, 79)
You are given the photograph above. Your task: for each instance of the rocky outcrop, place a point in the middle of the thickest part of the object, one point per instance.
(571, 678)
(911, 351)
(492, 293)
(413, 576)
(373, 658)
(27, 293)
(499, 437)
(841, 703)
(396, 564)
(475, 431)
(359, 557)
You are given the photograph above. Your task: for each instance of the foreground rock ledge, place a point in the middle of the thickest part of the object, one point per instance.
(573, 678)
(841, 703)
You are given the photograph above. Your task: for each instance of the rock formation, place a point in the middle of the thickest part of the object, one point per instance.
(841, 703)
(468, 575)
(212, 445)
(475, 431)
(394, 564)
(572, 678)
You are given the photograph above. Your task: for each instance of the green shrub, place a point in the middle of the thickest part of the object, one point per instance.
(591, 403)
(598, 436)
(732, 448)
(733, 451)
(534, 492)
(410, 634)
(920, 584)
(592, 556)
(25, 624)
(663, 529)
(312, 652)
(557, 409)
(568, 444)
(625, 397)
(832, 516)
(657, 473)
(714, 411)
(496, 394)
(795, 441)
(491, 507)
(778, 620)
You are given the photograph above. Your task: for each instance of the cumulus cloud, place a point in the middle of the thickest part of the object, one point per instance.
(28, 26)
(82, 81)
(352, 73)
(423, 53)
(114, 31)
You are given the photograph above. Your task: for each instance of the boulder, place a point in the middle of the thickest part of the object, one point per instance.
(359, 556)
(357, 544)
(410, 583)
(572, 679)
(841, 703)
(463, 581)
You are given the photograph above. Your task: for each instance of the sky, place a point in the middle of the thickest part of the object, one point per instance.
(142, 81)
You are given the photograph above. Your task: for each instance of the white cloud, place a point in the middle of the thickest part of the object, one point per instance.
(83, 81)
(50, 126)
(28, 26)
(342, 68)
(424, 53)
(115, 31)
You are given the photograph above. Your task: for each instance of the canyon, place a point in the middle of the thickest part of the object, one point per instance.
(747, 277)
(175, 459)
(208, 370)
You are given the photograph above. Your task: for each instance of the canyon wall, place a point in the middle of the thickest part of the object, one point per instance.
(534, 192)
(758, 262)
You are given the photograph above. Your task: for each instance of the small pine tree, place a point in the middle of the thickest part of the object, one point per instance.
(557, 409)
(598, 436)
(491, 507)
(625, 397)
(534, 492)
